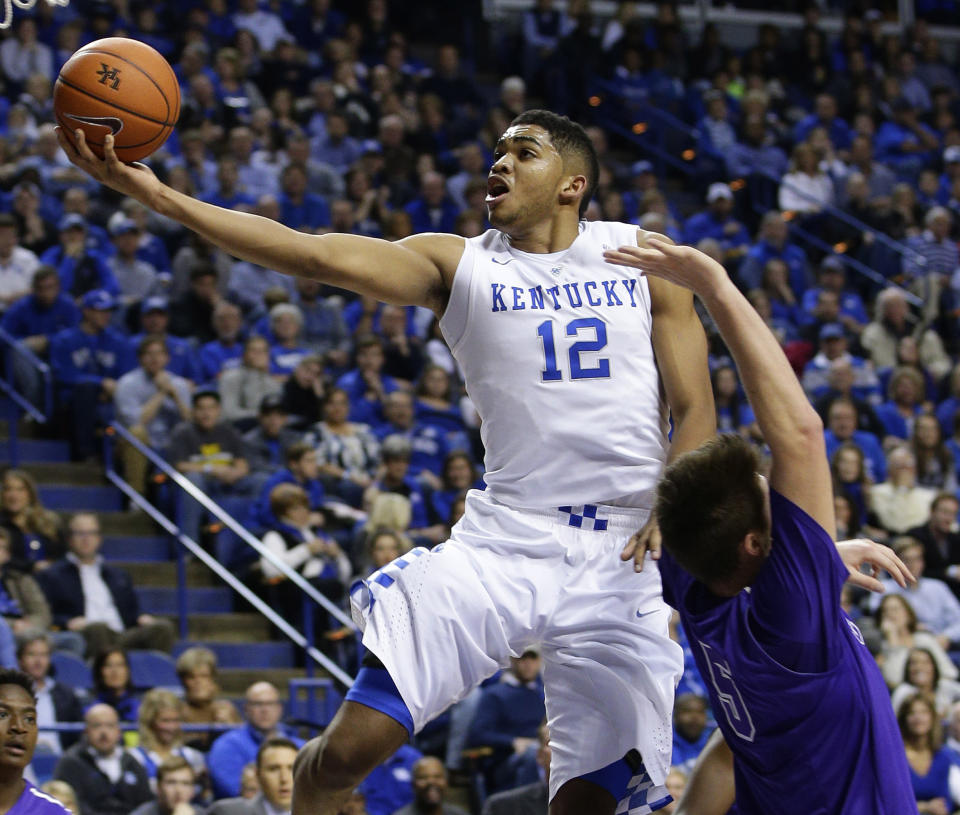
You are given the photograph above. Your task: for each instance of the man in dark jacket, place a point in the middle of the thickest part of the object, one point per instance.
(941, 541)
(530, 799)
(98, 600)
(107, 778)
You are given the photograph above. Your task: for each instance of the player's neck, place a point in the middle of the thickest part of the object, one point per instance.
(11, 787)
(553, 235)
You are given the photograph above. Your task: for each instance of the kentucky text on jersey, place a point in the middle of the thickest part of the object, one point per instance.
(507, 297)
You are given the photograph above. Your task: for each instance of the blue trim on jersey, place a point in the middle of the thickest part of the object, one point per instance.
(375, 689)
(384, 580)
(614, 778)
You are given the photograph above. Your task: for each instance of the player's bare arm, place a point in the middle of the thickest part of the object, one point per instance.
(790, 425)
(680, 346)
(710, 788)
(415, 271)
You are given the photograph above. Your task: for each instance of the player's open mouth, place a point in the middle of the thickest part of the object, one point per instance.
(15, 749)
(497, 190)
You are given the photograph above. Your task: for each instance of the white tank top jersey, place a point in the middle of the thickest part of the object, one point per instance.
(557, 355)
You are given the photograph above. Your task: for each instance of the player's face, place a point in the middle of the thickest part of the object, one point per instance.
(523, 182)
(18, 726)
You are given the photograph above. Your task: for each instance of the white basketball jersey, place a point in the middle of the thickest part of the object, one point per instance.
(557, 355)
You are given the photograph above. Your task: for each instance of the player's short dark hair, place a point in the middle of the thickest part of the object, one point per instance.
(707, 502)
(570, 139)
(274, 741)
(13, 676)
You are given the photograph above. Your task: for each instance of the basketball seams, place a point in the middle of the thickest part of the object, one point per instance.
(107, 102)
(97, 51)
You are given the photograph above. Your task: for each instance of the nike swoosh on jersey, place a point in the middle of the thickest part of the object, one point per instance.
(645, 613)
(115, 124)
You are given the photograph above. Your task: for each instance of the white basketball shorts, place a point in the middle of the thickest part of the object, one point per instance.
(443, 620)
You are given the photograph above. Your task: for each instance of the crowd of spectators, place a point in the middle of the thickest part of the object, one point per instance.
(338, 428)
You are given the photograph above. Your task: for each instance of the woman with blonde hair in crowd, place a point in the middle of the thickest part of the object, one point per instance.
(160, 727)
(383, 546)
(36, 534)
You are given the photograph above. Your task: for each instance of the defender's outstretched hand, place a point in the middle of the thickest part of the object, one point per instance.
(136, 180)
(855, 553)
(646, 539)
(681, 265)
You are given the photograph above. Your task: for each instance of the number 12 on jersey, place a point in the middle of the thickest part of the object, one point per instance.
(551, 371)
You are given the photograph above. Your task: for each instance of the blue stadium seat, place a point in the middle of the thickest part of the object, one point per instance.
(151, 669)
(71, 670)
(313, 700)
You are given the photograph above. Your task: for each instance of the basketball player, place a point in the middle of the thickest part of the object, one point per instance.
(18, 738)
(572, 364)
(753, 570)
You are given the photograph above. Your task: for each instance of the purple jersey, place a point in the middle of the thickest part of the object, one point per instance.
(34, 802)
(795, 691)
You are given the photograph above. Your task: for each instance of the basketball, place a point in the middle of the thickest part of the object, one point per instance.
(121, 86)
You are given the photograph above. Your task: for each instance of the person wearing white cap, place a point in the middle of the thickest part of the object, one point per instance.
(717, 222)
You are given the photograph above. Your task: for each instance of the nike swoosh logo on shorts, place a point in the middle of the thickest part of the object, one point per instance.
(115, 124)
(502, 262)
(645, 613)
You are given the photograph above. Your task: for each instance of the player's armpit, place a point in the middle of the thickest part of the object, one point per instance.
(680, 347)
(710, 788)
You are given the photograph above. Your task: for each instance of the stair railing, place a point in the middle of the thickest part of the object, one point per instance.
(304, 640)
(15, 355)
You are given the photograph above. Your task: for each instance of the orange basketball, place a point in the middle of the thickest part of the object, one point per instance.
(121, 86)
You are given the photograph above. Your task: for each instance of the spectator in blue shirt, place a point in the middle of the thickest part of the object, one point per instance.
(33, 320)
(825, 115)
(905, 143)
(773, 242)
(717, 222)
(336, 147)
(300, 209)
(303, 470)
(842, 427)
(833, 346)
(154, 319)
(904, 403)
(507, 719)
(80, 269)
(365, 385)
(226, 351)
(388, 788)
(286, 351)
(228, 193)
(428, 443)
(87, 362)
(832, 277)
(262, 710)
(690, 730)
(433, 210)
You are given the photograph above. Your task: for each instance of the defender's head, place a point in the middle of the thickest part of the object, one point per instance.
(541, 162)
(713, 507)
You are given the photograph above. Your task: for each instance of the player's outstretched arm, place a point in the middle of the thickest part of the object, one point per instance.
(790, 425)
(415, 271)
(710, 788)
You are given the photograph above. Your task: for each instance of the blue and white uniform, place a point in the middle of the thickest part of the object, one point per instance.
(557, 356)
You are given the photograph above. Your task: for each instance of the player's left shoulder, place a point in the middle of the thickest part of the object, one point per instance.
(36, 802)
